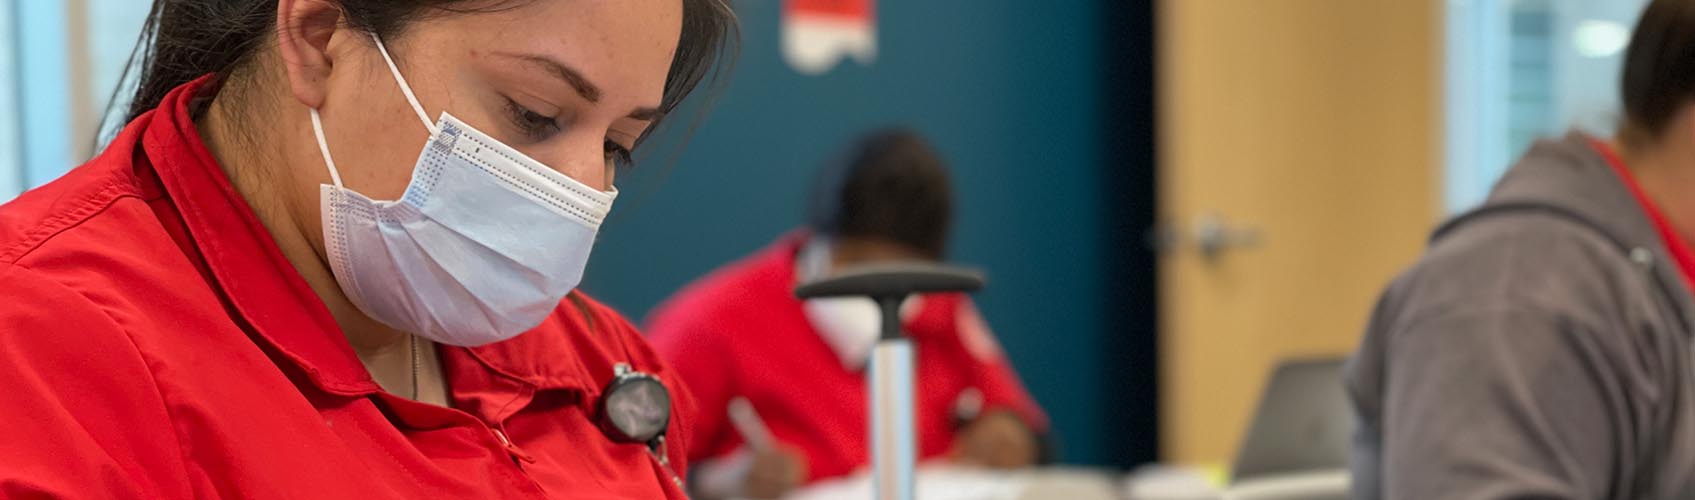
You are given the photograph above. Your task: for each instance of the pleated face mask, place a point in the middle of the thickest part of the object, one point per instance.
(482, 246)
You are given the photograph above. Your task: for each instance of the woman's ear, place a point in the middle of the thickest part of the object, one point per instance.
(304, 30)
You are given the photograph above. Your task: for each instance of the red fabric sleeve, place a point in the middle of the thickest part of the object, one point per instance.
(1000, 385)
(699, 356)
(81, 415)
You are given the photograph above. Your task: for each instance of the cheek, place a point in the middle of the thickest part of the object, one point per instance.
(382, 136)
(377, 150)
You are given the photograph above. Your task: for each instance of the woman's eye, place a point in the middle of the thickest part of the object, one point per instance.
(535, 126)
(617, 153)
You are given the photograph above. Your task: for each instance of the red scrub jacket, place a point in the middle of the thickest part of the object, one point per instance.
(154, 343)
(741, 332)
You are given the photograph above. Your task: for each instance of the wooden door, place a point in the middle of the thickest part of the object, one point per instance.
(1306, 132)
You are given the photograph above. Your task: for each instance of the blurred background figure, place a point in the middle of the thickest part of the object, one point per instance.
(1541, 348)
(781, 382)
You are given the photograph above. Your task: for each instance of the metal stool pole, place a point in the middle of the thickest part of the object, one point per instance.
(893, 438)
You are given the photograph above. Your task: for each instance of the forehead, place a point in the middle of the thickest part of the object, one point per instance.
(623, 46)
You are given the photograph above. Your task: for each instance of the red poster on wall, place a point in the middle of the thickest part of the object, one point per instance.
(818, 34)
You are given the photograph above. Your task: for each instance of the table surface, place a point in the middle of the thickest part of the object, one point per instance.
(941, 482)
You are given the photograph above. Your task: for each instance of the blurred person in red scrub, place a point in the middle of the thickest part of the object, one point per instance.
(740, 338)
(334, 253)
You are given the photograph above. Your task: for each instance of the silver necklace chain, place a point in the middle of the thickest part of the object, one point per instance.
(413, 340)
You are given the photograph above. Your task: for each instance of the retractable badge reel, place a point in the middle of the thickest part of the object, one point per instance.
(635, 408)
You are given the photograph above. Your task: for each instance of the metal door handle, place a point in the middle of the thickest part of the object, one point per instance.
(1210, 235)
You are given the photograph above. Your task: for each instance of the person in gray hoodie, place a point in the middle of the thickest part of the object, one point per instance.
(1541, 348)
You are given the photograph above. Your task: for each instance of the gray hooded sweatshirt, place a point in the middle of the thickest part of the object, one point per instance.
(1539, 350)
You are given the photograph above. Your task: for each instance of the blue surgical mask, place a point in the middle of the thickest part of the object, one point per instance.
(482, 246)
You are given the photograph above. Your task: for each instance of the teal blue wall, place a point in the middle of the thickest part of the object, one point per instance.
(1014, 94)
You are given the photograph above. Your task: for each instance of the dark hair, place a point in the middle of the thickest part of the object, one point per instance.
(892, 185)
(1659, 69)
(186, 39)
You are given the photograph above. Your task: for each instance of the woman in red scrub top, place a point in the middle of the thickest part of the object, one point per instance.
(740, 338)
(332, 255)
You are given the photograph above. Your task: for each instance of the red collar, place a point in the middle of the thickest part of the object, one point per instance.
(1679, 248)
(278, 306)
(260, 283)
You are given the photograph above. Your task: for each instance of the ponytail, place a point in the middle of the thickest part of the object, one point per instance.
(186, 39)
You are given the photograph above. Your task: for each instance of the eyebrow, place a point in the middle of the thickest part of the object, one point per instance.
(581, 84)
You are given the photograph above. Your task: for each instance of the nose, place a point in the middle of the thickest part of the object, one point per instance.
(581, 156)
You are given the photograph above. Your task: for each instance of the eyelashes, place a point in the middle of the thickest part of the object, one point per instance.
(532, 125)
(618, 154)
(537, 127)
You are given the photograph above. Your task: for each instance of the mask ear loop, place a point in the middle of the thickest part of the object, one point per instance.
(318, 121)
(404, 87)
(324, 146)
